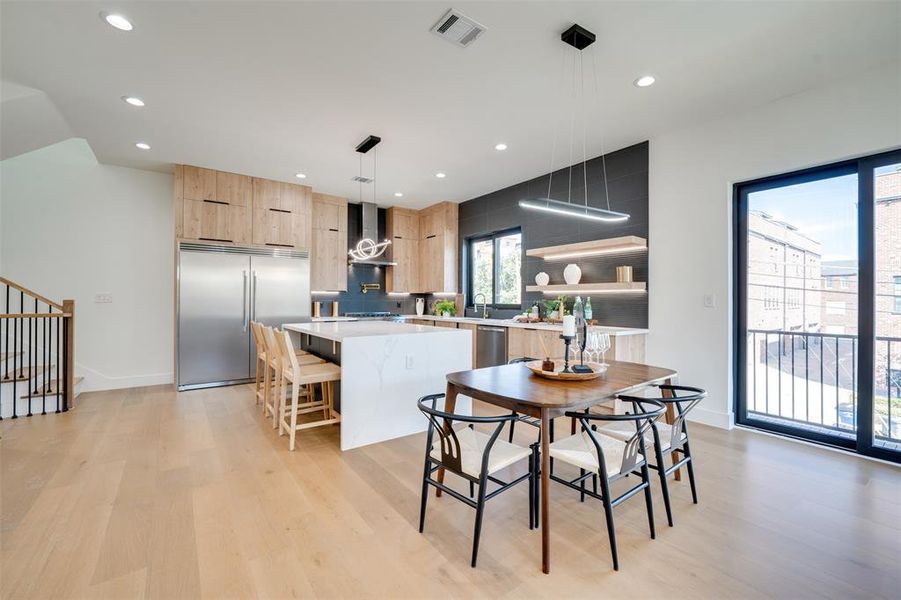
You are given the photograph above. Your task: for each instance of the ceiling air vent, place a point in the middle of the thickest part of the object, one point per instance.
(360, 179)
(456, 27)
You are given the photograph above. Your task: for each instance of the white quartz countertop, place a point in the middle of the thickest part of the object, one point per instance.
(338, 331)
(511, 323)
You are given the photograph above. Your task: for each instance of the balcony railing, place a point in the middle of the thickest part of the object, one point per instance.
(810, 380)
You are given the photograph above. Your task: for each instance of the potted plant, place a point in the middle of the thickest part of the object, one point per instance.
(445, 308)
(555, 308)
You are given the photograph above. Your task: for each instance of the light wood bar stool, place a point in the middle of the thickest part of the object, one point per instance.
(275, 364)
(324, 374)
(261, 369)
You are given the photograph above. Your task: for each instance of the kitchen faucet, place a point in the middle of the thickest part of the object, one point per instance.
(475, 302)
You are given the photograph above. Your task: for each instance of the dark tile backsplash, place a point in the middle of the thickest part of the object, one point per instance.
(627, 185)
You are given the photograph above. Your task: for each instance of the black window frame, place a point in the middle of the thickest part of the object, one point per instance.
(864, 167)
(493, 236)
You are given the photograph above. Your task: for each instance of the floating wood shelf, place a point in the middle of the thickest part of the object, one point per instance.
(617, 245)
(630, 287)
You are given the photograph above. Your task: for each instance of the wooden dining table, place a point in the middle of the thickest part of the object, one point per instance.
(516, 388)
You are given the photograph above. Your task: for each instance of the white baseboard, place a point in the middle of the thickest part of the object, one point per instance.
(714, 418)
(94, 381)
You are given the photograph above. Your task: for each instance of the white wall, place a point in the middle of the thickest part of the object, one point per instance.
(692, 172)
(72, 228)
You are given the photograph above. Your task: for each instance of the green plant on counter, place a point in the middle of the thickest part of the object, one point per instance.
(445, 306)
(559, 303)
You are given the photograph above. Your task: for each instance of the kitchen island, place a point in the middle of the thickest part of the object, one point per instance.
(385, 367)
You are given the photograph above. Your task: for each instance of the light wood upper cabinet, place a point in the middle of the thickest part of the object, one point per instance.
(402, 228)
(233, 189)
(328, 253)
(438, 248)
(225, 207)
(266, 194)
(199, 184)
(282, 214)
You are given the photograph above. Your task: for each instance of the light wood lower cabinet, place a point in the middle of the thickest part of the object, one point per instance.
(522, 342)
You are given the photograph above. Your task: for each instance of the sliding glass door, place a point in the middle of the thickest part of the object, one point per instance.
(818, 304)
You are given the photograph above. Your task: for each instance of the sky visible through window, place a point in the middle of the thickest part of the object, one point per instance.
(824, 210)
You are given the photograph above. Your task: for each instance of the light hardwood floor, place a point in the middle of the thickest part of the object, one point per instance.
(149, 493)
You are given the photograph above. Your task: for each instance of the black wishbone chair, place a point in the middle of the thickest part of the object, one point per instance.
(610, 459)
(668, 438)
(525, 419)
(474, 456)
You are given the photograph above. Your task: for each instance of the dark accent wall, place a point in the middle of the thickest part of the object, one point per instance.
(353, 300)
(627, 183)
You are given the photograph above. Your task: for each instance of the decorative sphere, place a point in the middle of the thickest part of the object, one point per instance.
(542, 278)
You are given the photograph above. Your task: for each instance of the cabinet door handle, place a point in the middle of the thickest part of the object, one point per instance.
(428, 237)
(216, 202)
(332, 229)
(482, 328)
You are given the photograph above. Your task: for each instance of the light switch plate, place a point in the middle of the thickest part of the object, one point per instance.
(408, 363)
(709, 300)
(103, 298)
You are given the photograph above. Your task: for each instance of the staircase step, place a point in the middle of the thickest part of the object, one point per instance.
(24, 374)
(52, 388)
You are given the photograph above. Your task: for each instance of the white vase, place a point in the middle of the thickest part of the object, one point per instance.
(572, 274)
(542, 278)
(420, 306)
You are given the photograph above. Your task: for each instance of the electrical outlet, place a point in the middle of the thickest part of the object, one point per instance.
(709, 300)
(103, 298)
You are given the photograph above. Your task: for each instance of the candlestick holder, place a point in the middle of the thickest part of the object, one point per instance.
(567, 340)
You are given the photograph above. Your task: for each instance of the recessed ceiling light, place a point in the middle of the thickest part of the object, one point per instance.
(300, 175)
(117, 21)
(501, 147)
(133, 100)
(399, 194)
(440, 175)
(143, 145)
(644, 81)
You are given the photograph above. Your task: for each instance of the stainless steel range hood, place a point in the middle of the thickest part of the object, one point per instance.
(369, 229)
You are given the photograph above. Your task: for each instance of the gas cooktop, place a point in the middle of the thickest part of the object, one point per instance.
(371, 314)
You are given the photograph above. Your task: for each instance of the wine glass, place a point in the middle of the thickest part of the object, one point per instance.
(603, 344)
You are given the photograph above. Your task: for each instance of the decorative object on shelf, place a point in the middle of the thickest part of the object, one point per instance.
(554, 369)
(368, 249)
(542, 278)
(445, 308)
(579, 38)
(624, 274)
(572, 274)
(420, 306)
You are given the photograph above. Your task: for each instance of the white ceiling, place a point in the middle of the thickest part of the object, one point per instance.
(269, 89)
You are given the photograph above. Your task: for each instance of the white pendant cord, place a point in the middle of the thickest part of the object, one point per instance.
(554, 125)
(584, 128)
(594, 69)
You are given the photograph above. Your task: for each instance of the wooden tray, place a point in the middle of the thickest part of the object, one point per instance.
(535, 367)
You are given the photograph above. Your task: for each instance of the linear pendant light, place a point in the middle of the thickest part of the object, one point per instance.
(579, 38)
(574, 210)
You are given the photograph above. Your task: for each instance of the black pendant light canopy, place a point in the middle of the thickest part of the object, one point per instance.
(579, 38)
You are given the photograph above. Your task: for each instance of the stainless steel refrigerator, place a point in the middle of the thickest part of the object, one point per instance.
(220, 290)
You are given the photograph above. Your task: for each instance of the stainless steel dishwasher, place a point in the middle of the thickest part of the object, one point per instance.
(491, 346)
